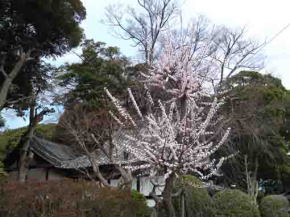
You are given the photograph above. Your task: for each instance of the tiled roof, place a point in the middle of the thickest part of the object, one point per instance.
(65, 157)
(61, 156)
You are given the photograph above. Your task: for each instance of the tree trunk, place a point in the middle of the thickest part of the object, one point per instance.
(24, 162)
(252, 183)
(10, 77)
(96, 169)
(24, 153)
(24, 144)
(167, 196)
(125, 174)
(127, 178)
(182, 205)
(4, 91)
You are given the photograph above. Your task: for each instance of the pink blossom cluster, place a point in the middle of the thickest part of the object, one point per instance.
(179, 135)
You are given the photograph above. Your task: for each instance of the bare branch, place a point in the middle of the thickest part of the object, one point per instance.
(144, 27)
(94, 138)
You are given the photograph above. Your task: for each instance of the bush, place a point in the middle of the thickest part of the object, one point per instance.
(274, 206)
(116, 203)
(234, 203)
(197, 201)
(138, 196)
(67, 198)
(143, 210)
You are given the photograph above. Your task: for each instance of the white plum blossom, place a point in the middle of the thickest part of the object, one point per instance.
(180, 133)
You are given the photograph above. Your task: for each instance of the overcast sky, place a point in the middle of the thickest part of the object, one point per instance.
(262, 18)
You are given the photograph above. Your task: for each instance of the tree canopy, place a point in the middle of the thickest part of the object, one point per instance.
(50, 27)
(255, 108)
(101, 66)
(29, 30)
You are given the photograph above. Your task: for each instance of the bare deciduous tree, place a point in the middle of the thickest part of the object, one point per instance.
(219, 52)
(235, 52)
(92, 133)
(143, 27)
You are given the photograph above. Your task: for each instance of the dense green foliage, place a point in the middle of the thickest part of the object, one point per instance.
(274, 206)
(50, 27)
(138, 196)
(86, 104)
(74, 199)
(234, 203)
(197, 201)
(255, 108)
(34, 80)
(100, 67)
(30, 30)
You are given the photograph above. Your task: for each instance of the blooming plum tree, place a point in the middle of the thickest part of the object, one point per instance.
(181, 128)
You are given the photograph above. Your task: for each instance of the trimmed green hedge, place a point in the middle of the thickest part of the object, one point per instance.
(274, 206)
(234, 203)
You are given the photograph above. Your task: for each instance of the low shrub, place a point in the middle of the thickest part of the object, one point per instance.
(143, 210)
(197, 201)
(234, 203)
(274, 206)
(68, 198)
(115, 203)
(138, 196)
